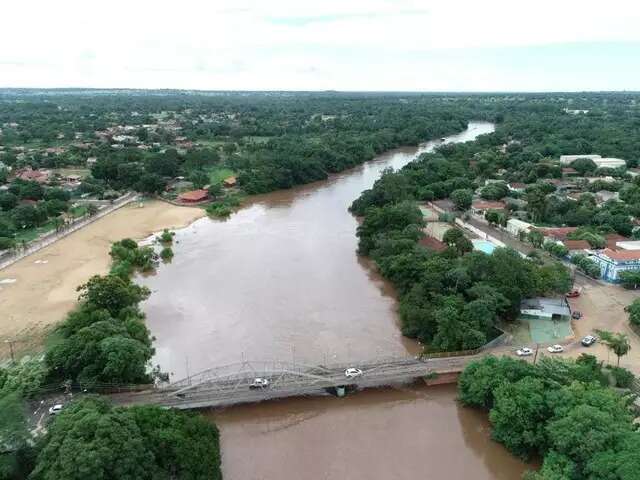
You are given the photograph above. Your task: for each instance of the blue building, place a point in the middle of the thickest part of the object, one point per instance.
(612, 262)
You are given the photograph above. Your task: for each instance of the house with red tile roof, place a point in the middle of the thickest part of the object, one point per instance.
(194, 196)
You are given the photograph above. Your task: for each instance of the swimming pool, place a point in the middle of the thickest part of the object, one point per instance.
(484, 246)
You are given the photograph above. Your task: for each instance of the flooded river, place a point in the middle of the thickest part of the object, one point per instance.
(280, 280)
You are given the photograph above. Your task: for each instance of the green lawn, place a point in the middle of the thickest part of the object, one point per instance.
(79, 211)
(30, 234)
(218, 174)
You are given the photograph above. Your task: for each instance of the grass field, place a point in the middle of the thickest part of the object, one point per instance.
(218, 174)
(30, 234)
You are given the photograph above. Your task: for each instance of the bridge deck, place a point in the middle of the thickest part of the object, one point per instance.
(229, 385)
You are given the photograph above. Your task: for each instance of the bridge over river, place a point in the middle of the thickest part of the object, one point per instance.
(230, 385)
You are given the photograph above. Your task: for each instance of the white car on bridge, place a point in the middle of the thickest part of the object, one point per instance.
(555, 349)
(353, 373)
(259, 383)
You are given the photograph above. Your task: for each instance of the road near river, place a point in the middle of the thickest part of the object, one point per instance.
(280, 280)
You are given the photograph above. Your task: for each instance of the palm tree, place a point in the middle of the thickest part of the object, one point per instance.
(618, 343)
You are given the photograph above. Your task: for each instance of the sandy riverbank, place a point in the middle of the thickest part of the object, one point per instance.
(43, 287)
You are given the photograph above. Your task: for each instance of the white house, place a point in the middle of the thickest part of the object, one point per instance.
(515, 226)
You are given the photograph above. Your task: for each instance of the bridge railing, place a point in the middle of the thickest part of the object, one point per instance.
(251, 369)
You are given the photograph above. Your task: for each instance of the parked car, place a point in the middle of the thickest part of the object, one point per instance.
(573, 293)
(524, 352)
(353, 373)
(589, 340)
(576, 315)
(56, 409)
(555, 349)
(259, 383)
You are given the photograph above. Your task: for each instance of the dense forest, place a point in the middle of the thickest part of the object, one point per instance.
(561, 410)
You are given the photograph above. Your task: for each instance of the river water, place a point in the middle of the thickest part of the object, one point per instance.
(280, 280)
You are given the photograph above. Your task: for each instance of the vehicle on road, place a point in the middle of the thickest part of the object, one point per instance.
(555, 349)
(56, 409)
(524, 352)
(353, 373)
(589, 340)
(259, 383)
(573, 293)
(576, 314)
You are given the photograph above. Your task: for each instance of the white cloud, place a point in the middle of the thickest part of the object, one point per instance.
(285, 44)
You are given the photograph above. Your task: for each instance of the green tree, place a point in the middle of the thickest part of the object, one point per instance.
(630, 279)
(112, 293)
(480, 379)
(519, 416)
(90, 440)
(584, 166)
(455, 239)
(634, 312)
(618, 343)
(462, 198)
(536, 237)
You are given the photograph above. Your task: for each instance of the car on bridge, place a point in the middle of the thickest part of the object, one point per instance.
(353, 373)
(524, 352)
(555, 349)
(259, 383)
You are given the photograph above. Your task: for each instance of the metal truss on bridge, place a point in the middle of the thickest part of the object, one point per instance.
(230, 384)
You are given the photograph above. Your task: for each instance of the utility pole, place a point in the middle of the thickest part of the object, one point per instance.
(11, 342)
(535, 357)
(186, 361)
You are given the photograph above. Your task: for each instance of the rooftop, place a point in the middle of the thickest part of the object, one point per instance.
(576, 244)
(621, 255)
(555, 306)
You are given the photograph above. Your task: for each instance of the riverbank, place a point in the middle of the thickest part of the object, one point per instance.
(38, 291)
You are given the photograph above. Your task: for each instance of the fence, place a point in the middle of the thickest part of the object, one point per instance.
(53, 237)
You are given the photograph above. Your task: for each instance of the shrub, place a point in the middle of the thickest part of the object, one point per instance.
(166, 253)
(622, 376)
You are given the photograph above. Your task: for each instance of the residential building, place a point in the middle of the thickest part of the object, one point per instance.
(230, 182)
(193, 196)
(479, 207)
(517, 187)
(515, 226)
(545, 308)
(628, 245)
(576, 246)
(559, 234)
(40, 176)
(613, 262)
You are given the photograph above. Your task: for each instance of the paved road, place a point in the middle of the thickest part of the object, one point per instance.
(290, 382)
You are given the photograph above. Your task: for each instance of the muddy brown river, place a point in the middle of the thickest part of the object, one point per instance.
(280, 280)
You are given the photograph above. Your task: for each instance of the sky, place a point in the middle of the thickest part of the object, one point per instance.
(372, 45)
